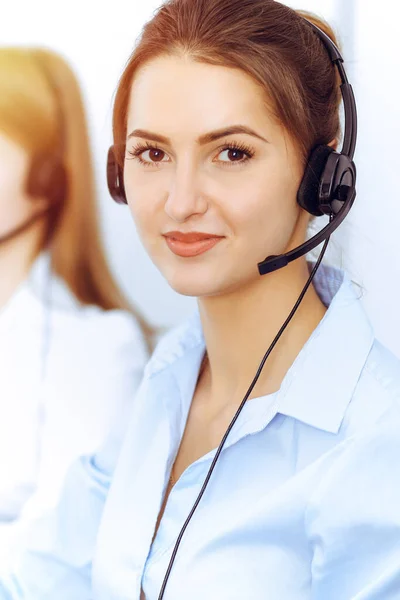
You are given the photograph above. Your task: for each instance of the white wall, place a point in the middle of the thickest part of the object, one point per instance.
(97, 38)
(373, 245)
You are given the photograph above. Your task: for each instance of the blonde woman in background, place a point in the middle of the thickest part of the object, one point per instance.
(71, 350)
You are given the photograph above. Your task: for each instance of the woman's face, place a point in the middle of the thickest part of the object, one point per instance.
(15, 205)
(210, 176)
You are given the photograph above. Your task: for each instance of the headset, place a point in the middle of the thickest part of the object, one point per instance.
(47, 175)
(327, 188)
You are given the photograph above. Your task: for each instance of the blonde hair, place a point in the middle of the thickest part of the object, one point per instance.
(38, 89)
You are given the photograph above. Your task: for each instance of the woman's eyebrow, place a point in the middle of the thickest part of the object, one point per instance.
(225, 131)
(155, 137)
(204, 139)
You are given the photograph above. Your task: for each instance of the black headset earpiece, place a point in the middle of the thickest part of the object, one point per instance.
(327, 180)
(308, 195)
(115, 178)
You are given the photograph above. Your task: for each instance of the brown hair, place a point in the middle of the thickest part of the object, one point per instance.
(30, 106)
(266, 39)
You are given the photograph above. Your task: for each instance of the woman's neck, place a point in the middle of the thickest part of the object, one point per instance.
(16, 259)
(240, 327)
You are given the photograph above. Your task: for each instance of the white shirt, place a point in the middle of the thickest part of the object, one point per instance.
(93, 361)
(304, 503)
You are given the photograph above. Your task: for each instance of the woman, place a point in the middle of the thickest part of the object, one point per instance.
(71, 351)
(218, 111)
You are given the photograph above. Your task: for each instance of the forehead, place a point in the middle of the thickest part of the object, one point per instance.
(177, 94)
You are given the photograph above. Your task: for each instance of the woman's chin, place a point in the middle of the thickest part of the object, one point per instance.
(206, 285)
(191, 282)
(192, 288)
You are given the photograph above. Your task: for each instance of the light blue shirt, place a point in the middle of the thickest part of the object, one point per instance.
(304, 503)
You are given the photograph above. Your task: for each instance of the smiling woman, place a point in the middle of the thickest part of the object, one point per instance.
(225, 123)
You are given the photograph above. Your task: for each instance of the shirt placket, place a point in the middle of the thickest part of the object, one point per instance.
(250, 422)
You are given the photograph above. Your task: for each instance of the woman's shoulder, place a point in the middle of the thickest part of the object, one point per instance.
(353, 514)
(94, 336)
(382, 372)
(89, 321)
(108, 335)
(377, 391)
(366, 462)
(382, 368)
(48, 289)
(96, 362)
(114, 324)
(359, 483)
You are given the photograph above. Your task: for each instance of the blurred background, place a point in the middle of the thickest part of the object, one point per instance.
(97, 38)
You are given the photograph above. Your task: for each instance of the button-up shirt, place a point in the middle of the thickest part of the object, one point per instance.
(304, 502)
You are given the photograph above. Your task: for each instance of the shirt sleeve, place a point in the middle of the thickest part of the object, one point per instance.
(353, 520)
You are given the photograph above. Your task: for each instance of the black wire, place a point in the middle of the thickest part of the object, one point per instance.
(253, 383)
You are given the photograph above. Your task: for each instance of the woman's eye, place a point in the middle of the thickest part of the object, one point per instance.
(147, 155)
(232, 155)
(154, 155)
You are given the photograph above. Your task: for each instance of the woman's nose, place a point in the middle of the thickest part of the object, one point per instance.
(185, 198)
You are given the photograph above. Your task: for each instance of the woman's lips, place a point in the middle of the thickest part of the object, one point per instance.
(191, 244)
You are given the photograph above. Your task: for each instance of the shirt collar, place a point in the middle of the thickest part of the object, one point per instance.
(319, 385)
